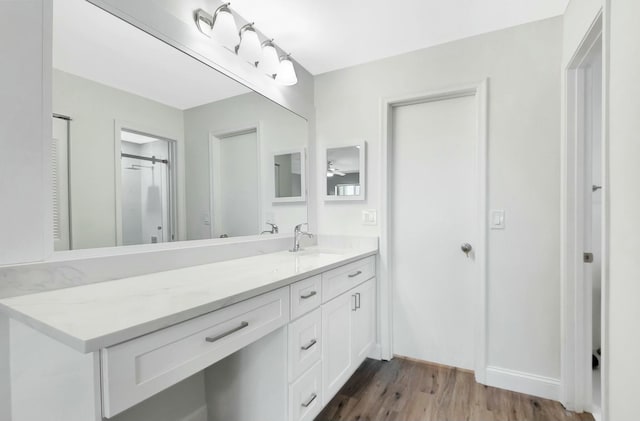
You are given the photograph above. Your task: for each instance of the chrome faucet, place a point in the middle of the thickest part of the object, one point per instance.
(297, 233)
(274, 229)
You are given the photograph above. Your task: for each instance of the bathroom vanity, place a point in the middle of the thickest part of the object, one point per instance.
(276, 336)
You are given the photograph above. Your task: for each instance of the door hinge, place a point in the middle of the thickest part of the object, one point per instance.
(588, 257)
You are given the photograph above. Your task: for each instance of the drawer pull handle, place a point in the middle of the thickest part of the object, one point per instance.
(308, 401)
(353, 275)
(309, 345)
(224, 335)
(309, 295)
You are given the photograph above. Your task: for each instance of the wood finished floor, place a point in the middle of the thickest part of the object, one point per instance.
(404, 390)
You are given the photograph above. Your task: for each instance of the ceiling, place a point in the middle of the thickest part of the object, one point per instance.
(325, 35)
(93, 44)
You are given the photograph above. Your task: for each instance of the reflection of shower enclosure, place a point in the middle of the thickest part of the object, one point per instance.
(146, 189)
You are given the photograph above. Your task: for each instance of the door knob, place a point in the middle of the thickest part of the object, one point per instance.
(466, 248)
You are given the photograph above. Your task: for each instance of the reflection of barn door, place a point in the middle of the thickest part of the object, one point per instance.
(60, 184)
(236, 192)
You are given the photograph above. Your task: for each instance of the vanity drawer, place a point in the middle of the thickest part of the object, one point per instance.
(305, 347)
(343, 278)
(305, 401)
(305, 296)
(137, 369)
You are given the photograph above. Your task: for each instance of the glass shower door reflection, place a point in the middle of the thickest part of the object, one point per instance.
(145, 193)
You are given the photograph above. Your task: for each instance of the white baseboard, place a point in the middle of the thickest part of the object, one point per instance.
(517, 381)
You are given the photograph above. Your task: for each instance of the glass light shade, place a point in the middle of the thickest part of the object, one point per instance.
(286, 72)
(269, 63)
(225, 30)
(250, 48)
(203, 20)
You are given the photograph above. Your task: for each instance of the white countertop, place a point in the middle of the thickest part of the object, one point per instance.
(90, 317)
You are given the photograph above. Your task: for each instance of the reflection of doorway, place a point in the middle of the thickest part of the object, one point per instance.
(583, 248)
(145, 190)
(60, 183)
(235, 183)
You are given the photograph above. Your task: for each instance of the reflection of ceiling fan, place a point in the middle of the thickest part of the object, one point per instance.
(331, 170)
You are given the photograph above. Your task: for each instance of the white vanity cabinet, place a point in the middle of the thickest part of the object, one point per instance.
(348, 322)
(138, 369)
(290, 349)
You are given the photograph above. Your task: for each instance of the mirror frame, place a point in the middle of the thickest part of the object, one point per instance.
(303, 177)
(363, 172)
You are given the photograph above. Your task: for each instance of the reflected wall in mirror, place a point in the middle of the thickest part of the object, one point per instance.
(289, 168)
(151, 145)
(345, 172)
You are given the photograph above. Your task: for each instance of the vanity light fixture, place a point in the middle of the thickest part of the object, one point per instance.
(269, 63)
(220, 26)
(245, 43)
(286, 72)
(249, 48)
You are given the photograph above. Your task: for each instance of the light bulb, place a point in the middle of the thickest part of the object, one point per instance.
(269, 63)
(286, 72)
(224, 29)
(249, 48)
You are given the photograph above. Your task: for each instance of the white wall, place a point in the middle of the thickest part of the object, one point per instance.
(624, 202)
(524, 167)
(25, 136)
(279, 130)
(25, 130)
(94, 108)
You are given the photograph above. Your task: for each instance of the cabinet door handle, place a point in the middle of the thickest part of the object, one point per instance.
(309, 400)
(309, 295)
(357, 300)
(311, 343)
(353, 275)
(224, 335)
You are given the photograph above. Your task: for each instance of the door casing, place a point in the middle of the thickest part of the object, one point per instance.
(385, 301)
(576, 295)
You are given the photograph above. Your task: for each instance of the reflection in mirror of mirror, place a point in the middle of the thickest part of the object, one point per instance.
(289, 180)
(151, 145)
(345, 172)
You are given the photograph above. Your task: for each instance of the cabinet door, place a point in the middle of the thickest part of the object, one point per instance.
(364, 321)
(337, 350)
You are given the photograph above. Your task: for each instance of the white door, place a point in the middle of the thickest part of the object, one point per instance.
(433, 214)
(590, 98)
(60, 184)
(236, 204)
(337, 353)
(364, 334)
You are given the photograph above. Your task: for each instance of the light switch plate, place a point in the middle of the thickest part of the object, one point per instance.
(369, 217)
(497, 219)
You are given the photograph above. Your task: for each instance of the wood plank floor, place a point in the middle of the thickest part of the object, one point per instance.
(404, 390)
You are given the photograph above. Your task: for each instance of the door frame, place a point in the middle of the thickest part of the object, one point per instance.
(479, 90)
(215, 137)
(576, 307)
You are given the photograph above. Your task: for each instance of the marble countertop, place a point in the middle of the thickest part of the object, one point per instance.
(90, 317)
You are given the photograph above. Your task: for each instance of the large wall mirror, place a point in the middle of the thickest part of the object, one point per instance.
(151, 145)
